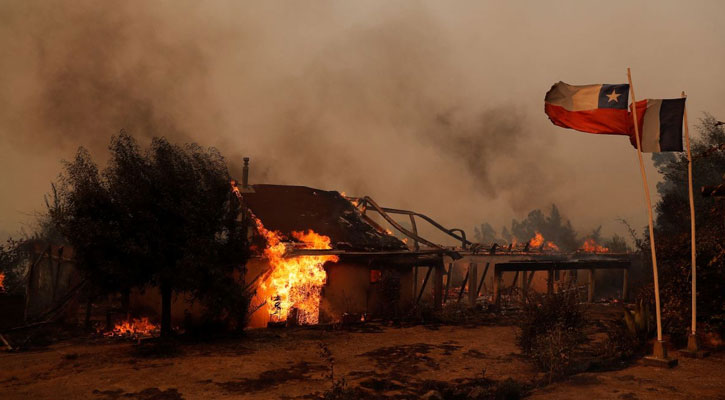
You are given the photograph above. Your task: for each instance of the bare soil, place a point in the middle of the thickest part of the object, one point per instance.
(384, 362)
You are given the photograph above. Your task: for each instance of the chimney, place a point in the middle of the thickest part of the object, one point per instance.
(245, 173)
(245, 177)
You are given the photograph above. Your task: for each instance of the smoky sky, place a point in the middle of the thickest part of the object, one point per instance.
(433, 106)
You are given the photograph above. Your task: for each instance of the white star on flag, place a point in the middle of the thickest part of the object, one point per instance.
(614, 96)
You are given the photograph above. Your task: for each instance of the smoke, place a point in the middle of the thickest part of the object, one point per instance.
(92, 70)
(396, 101)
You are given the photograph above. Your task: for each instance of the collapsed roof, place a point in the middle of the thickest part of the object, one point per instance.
(286, 209)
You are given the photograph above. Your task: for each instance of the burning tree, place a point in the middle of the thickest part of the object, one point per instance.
(161, 217)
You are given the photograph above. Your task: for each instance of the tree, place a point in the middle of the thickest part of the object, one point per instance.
(485, 233)
(672, 230)
(617, 244)
(553, 227)
(163, 217)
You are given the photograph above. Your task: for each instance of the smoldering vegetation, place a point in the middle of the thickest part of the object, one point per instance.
(313, 93)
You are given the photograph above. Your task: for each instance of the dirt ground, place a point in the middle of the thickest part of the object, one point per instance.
(386, 362)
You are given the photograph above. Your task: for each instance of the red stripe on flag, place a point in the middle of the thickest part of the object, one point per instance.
(608, 121)
(641, 108)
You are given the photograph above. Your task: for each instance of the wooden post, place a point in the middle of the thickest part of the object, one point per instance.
(648, 202)
(692, 225)
(472, 279)
(524, 284)
(415, 280)
(531, 278)
(448, 280)
(463, 284)
(550, 282)
(483, 277)
(590, 289)
(497, 275)
(516, 279)
(425, 282)
(438, 286)
(625, 284)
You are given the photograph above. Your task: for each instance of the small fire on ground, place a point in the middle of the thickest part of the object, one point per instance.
(133, 328)
(294, 282)
(2, 282)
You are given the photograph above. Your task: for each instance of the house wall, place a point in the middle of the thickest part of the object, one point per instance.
(348, 290)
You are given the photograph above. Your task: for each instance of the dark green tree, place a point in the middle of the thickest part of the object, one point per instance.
(163, 217)
(672, 230)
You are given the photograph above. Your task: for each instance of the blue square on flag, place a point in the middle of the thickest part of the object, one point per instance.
(614, 96)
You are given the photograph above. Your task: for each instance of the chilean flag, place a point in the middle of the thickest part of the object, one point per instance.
(589, 108)
(660, 125)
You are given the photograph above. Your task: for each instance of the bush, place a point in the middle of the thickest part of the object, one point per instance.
(509, 390)
(621, 343)
(551, 329)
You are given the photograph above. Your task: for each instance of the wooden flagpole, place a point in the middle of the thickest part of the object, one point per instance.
(692, 223)
(649, 210)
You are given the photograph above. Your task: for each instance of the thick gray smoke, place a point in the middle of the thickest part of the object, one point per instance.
(418, 105)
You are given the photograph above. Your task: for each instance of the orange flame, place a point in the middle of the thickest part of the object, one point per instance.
(295, 282)
(355, 202)
(538, 241)
(134, 328)
(2, 282)
(590, 246)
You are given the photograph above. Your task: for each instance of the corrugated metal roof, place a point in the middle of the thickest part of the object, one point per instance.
(286, 209)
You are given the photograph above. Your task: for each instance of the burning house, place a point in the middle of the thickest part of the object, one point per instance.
(318, 256)
(323, 259)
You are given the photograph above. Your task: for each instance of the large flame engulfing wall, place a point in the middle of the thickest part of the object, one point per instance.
(294, 282)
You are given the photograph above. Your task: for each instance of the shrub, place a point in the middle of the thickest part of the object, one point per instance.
(621, 343)
(509, 389)
(551, 328)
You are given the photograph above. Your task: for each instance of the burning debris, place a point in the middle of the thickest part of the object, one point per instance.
(538, 242)
(294, 283)
(591, 246)
(2, 282)
(134, 328)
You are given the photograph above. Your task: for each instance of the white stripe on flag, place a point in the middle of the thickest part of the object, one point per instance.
(651, 127)
(574, 97)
